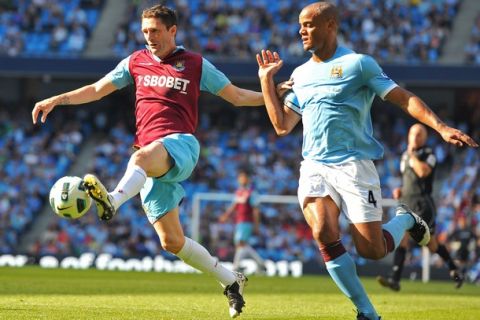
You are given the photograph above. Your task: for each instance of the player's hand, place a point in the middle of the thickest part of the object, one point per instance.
(457, 137)
(45, 107)
(223, 218)
(268, 63)
(283, 87)
(397, 193)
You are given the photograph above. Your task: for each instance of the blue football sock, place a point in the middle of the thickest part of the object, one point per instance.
(398, 225)
(343, 271)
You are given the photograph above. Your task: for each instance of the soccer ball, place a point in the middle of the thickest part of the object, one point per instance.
(68, 198)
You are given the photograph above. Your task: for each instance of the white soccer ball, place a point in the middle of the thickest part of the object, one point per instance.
(68, 198)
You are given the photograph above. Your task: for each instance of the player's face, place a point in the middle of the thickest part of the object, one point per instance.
(313, 30)
(417, 136)
(160, 39)
(242, 179)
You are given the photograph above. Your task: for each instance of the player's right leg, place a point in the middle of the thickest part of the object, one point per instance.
(103, 201)
(171, 236)
(321, 203)
(322, 215)
(152, 160)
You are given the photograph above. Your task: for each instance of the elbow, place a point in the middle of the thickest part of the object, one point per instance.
(423, 174)
(281, 131)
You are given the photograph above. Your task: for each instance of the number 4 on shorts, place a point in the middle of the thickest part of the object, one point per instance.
(371, 198)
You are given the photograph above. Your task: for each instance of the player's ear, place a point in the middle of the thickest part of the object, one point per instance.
(173, 30)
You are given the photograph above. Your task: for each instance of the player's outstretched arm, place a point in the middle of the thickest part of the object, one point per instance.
(89, 93)
(241, 97)
(283, 118)
(415, 107)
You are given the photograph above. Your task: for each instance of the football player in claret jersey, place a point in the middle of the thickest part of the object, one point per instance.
(247, 220)
(168, 80)
(332, 94)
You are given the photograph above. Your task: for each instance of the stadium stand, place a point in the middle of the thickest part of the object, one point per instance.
(30, 159)
(47, 28)
(392, 31)
(472, 49)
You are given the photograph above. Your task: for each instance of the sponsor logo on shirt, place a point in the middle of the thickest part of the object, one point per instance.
(164, 82)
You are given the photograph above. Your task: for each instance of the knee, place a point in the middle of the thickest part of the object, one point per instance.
(371, 251)
(324, 236)
(140, 157)
(172, 244)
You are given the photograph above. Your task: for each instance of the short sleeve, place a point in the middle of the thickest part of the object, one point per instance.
(254, 199)
(212, 80)
(120, 76)
(431, 160)
(375, 78)
(291, 101)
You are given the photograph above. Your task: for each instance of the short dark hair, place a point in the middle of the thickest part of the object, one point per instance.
(244, 170)
(164, 13)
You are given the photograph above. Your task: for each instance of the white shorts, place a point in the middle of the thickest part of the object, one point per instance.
(353, 185)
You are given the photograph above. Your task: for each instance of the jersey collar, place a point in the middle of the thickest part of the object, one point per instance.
(179, 48)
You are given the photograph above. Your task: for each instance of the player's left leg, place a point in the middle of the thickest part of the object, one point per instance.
(171, 236)
(393, 281)
(441, 250)
(358, 184)
(161, 198)
(243, 233)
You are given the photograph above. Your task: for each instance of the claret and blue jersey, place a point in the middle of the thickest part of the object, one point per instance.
(334, 99)
(167, 90)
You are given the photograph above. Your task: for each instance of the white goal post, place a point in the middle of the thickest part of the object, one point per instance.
(286, 199)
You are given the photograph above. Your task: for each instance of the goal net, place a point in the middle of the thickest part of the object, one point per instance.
(213, 204)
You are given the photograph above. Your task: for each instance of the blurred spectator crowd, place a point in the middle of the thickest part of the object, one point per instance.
(274, 162)
(31, 160)
(47, 27)
(472, 49)
(392, 31)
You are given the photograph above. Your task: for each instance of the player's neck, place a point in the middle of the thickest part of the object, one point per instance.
(167, 52)
(325, 53)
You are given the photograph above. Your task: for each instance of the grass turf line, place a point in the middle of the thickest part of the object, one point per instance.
(36, 293)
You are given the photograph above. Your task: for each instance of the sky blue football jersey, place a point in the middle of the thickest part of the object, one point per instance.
(334, 99)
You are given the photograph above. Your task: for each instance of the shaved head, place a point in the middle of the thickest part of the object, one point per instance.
(417, 135)
(323, 10)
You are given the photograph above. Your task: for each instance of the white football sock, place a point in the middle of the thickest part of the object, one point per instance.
(197, 256)
(240, 254)
(254, 254)
(129, 186)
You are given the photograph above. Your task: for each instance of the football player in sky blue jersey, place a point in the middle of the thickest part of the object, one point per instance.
(332, 94)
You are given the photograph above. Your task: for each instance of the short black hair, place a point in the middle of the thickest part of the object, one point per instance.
(164, 13)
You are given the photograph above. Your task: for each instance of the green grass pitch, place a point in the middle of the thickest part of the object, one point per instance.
(35, 293)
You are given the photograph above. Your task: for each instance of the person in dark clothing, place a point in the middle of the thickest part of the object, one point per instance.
(418, 168)
(465, 237)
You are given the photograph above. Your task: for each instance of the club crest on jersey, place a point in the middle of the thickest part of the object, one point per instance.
(179, 65)
(336, 72)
